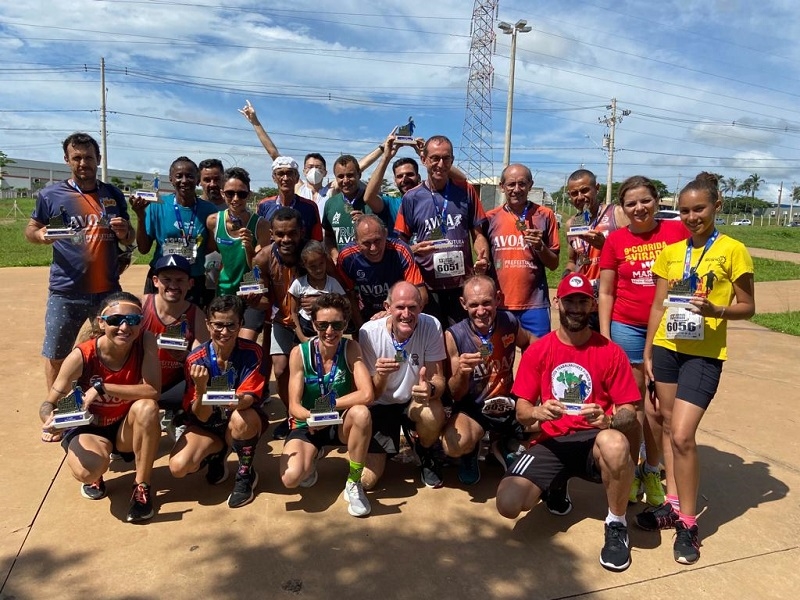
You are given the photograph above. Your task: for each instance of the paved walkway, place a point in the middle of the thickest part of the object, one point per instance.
(447, 543)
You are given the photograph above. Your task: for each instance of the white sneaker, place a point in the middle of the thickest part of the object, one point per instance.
(356, 498)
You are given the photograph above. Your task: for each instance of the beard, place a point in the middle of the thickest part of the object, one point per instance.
(573, 323)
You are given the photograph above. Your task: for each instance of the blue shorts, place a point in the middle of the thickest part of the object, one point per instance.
(631, 338)
(535, 320)
(63, 319)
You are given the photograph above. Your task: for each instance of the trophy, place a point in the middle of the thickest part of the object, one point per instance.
(577, 230)
(59, 227)
(404, 134)
(69, 410)
(323, 412)
(221, 389)
(572, 400)
(148, 196)
(681, 292)
(174, 338)
(251, 283)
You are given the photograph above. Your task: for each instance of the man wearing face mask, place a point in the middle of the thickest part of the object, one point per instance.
(314, 172)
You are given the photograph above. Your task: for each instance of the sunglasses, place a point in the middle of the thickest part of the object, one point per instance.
(231, 194)
(219, 326)
(336, 325)
(117, 320)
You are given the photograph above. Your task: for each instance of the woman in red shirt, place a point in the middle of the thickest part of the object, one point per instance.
(626, 293)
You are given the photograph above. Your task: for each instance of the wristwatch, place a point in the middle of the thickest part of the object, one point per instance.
(97, 384)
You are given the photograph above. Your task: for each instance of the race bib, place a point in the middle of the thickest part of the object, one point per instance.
(448, 264)
(684, 325)
(178, 247)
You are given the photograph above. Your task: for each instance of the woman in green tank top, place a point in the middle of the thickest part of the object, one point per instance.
(235, 232)
(330, 368)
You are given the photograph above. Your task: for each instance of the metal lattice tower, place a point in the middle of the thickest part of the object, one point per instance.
(476, 138)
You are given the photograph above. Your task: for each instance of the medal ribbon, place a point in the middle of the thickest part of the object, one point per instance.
(443, 215)
(73, 184)
(399, 346)
(688, 270)
(524, 215)
(215, 371)
(181, 225)
(326, 388)
(485, 340)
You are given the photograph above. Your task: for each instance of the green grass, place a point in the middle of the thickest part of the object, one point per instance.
(16, 251)
(775, 270)
(786, 322)
(786, 239)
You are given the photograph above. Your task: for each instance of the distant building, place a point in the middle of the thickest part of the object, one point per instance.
(26, 177)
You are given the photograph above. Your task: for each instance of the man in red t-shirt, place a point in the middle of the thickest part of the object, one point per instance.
(577, 388)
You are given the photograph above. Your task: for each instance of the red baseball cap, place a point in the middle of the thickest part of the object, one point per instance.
(575, 284)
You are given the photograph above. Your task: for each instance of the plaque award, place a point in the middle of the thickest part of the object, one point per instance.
(221, 389)
(441, 244)
(174, 338)
(404, 134)
(572, 400)
(577, 230)
(148, 196)
(59, 227)
(251, 283)
(681, 292)
(324, 412)
(69, 410)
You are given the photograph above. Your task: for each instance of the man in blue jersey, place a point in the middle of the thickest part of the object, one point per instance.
(84, 268)
(371, 264)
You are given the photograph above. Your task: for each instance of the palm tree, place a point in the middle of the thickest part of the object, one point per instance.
(755, 181)
(730, 185)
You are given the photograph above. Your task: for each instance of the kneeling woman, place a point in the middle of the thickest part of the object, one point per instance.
(328, 365)
(212, 430)
(119, 375)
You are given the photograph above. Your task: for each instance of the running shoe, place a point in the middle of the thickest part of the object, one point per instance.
(636, 490)
(430, 471)
(654, 518)
(94, 491)
(616, 552)
(217, 467)
(243, 489)
(469, 472)
(312, 479)
(358, 504)
(557, 499)
(281, 430)
(686, 547)
(141, 504)
(653, 490)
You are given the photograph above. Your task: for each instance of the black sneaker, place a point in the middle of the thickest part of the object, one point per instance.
(243, 489)
(557, 499)
(656, 518)
(469, 472)
(141, 504)
(94, 491)
(686, 547)
(217, 467)
(281, 431)
(616, 552)
(431, 471)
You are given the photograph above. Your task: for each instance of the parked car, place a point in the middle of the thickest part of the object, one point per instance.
(793, 224)
(742, 222)
(719, 221)
(668, 215)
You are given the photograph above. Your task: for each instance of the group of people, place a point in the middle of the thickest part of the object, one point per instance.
(382, 316)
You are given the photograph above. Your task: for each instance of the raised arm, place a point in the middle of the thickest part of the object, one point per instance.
(249, 113)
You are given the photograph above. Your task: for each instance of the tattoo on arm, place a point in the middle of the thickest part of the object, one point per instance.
(623, 420)
(45, 410)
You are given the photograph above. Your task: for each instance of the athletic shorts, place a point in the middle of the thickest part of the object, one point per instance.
(555, 460)
(108, 432)
(502, 424)
(631, 338)
(697, 376)
(534, 320)
(253, 319)
(217, 423)
(282, 340)
(319, 438)
(63, 319)
(387, 420)
(445, 305)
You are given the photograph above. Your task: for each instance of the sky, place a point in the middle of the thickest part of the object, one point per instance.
(709, 85)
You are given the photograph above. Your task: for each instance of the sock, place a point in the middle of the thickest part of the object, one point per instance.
(612, 518)
(245, 449)
(676, 504)
(355, 471)
(688, 520)
(650, 469)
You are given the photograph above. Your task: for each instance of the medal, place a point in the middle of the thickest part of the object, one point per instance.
(522, 226)
(435, 234)
(486, 350)
(348, 208)
(400, 356)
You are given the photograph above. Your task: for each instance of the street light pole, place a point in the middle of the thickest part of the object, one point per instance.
(512, 30)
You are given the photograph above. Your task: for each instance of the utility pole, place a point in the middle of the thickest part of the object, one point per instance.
(608, 141)
(103, 136)
(520, 26)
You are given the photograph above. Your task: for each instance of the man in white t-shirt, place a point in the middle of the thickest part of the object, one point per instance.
(405, 354)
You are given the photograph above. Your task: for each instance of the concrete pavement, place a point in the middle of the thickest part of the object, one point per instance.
(447, 543)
